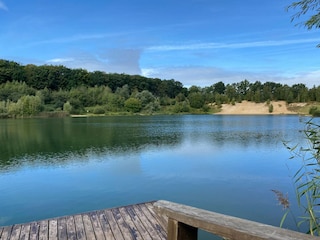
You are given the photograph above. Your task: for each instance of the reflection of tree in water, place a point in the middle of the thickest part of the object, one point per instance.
(54, 140)
(59, 141)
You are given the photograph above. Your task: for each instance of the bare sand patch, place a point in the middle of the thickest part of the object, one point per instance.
(246, 107)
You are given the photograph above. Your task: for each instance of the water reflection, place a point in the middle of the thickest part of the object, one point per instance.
(228, 164)
(24, 139)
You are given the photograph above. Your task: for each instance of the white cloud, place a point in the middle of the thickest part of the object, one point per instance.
(60, 60)
(206, 76)
(210, 45)
(3, 6)
(309, 78)
(112, 61)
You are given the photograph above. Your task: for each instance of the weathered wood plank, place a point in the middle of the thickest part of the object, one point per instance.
(15, 234)
(133, 225)
(25, 232)
(6, 232)
(161, 232)
(162, 219)
(105, 225)
(44, 230)
(52, 230)
(96, 226)
(114, 226)
(62, 229)
(147, 224)
(124, 228)
(80, 231)
(119, 224)
(88, 226)
(34, 231)
(136, 220)
(71, 228)
(226, 226)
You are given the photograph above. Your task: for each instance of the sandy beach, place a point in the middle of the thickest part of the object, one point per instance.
(246, 107)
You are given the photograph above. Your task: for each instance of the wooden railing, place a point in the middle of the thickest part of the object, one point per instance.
(184, 222)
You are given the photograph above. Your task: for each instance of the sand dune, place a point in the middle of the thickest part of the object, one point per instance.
(245, 107)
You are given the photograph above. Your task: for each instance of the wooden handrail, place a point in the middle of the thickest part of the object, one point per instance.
(184, 222)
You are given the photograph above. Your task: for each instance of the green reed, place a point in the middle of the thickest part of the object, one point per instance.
(306, 180)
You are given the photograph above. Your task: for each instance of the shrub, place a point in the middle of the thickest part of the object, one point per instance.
(270, 108)
(99, 110)
(133, 105)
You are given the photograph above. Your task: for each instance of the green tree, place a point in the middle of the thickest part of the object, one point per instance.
(219, 87)
(145, 97)
(196, 100)
(67, 107)
(28, 105)
(133, 105)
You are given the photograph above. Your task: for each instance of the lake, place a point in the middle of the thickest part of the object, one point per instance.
(227, 164)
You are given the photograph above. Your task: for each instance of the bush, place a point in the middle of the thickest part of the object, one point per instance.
(99, 110)
(270, 108)
(314, 111)
(133, 105)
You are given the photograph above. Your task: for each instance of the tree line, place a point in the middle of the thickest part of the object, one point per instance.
(30, 89)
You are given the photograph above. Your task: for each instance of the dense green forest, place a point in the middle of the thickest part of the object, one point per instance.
(29, 90)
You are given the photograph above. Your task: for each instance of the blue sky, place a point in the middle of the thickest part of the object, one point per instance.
(196, 42)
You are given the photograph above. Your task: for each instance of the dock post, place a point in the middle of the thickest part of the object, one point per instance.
(180, 231)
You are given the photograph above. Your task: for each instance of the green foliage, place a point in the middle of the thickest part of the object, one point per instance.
(310, 7)
(26, 106)
(196, 99)
(181, 107)
(133, 105)
(145, 97)
(99, 110)
(307, 178)
(14, 90)
(310, 10)
(67, 107)
(314, 111)
(270, 108)
(57, 85)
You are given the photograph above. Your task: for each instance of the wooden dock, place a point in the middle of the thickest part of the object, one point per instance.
(136, 222)
(159, 220)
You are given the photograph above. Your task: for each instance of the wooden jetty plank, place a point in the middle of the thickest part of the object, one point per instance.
(71, 228)
(156, 225)
(44, 230)
(125, 230)
(163, 220)
(137, 221)
(105, 225)
(62, 229)
(96, 226)
(114, 226)
(128, 222)
(34, 231)
(88, 226)
(131, 225)
(81, 235)
(148, 225)
(25, 232)
(6, 232)
(52, 230)
(15, 233)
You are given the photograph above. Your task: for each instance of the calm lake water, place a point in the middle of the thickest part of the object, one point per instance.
(227, 164)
